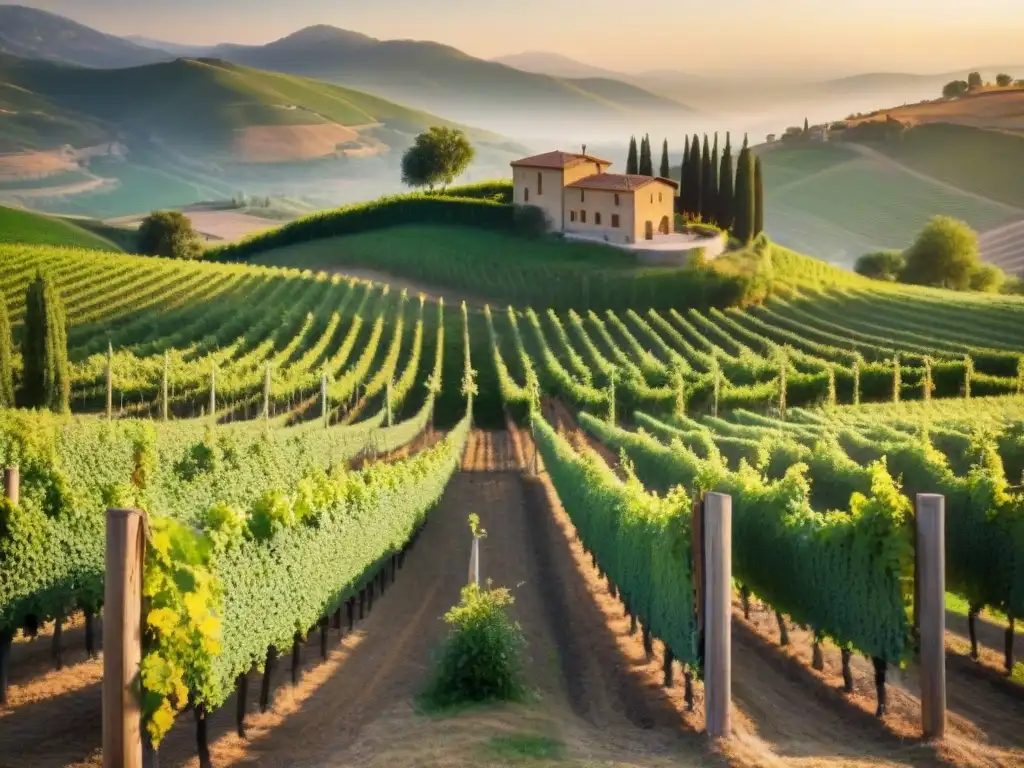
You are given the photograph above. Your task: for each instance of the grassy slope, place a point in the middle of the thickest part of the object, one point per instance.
(828, 201)
(18, 226)
(203, 102)
(982, 161)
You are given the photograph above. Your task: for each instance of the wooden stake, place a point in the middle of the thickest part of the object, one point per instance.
(122, 641)
(90, 633)
(242, 694)
(296, 658)
(6, 640)
(58, 632)
(844, 655)
(12, 484)
(110, 381)
(323, 637)
(718, 613)
(667, 667)
(268, 670)
(202, 741)
(931, 595)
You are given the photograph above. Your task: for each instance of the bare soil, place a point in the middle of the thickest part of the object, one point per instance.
(281, 143)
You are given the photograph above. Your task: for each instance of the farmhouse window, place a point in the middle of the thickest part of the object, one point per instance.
(540, 184)
(616, 199)
(615, 220)
(583, 216)
(652, 197)
(583, 195)
(572, 215)
(659, 197)
(526, 194)
(597, 218)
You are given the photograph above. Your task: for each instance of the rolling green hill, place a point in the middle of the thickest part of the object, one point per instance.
(204, 104)
(28, 228)
(839, 201)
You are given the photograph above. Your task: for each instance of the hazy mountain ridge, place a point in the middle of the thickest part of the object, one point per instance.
(35, 34)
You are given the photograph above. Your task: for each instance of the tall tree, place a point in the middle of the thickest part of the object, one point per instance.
(743, 205)
(725, 188)
(632, 162)
(45, 380)
(684, 178)
(711, 190)
(707, 203)
(436, 158)
(695, 176)
(665, 170)
(646, 161)
(807, 127)
(758, 197)
(6, 359)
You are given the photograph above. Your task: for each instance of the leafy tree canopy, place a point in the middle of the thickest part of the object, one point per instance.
(1003, 80)
(945, 254)
(169, 234)
(974, 80)
(881, 265)
(954, 88)
(436, 158)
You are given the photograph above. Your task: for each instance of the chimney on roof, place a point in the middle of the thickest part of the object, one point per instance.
(584, 149)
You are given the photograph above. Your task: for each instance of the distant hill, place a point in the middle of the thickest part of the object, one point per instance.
(208, 106)
(554, 64)
(443, 79)
(35, 34)
(174, 49)
(26, 227)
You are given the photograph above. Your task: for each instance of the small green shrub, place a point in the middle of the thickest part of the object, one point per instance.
(482, 659)
(530, 221)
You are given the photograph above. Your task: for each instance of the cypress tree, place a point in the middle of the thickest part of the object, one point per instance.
(758, 198)
(807, 127)
(712, 188)
(725, 188)
(695, 177)
(707, 203)
(631, 158)
(684, 177)
(46, 382)
(6, 359)
(664, 171)
(743, 207)
(646, 162)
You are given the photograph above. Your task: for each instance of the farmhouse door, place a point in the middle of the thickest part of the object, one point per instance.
(648, 230)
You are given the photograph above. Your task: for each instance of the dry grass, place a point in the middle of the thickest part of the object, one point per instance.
(1001, 109)
(283, 143)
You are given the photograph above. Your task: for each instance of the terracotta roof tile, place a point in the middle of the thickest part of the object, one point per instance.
(619, 182)
(558, 159)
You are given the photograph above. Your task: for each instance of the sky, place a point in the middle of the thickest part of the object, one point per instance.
(826, 37)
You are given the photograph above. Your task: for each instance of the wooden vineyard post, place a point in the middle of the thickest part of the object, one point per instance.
(266, 393)
(717, 536)
(213, 393)
(12, 484)
(323, 401)
(110, 381)
(12, 490)
(930, 570)
(474, 562)
(164, 404)
(122, 638)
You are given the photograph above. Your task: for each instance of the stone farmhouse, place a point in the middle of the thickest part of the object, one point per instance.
(581, 198)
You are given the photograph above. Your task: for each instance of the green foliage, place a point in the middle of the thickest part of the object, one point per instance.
(436, 158)
(743, 207)
(954, 88)
(987, 279)
(1004, 80)
(801, 560)
(974, 80)
(169, 234)
(641, 541)
(6, 358)
(758, 197)
(695, 198)
(645, 165)
(707, 193)
(30, 228)
(482, 659)
(530, 221)
(46, 381)
(881, 265)
(725, 216)
(945, 254)
(632, 157)
(664, 168)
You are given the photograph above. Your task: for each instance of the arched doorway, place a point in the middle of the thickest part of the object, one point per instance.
(648, 230)
(664, 226)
